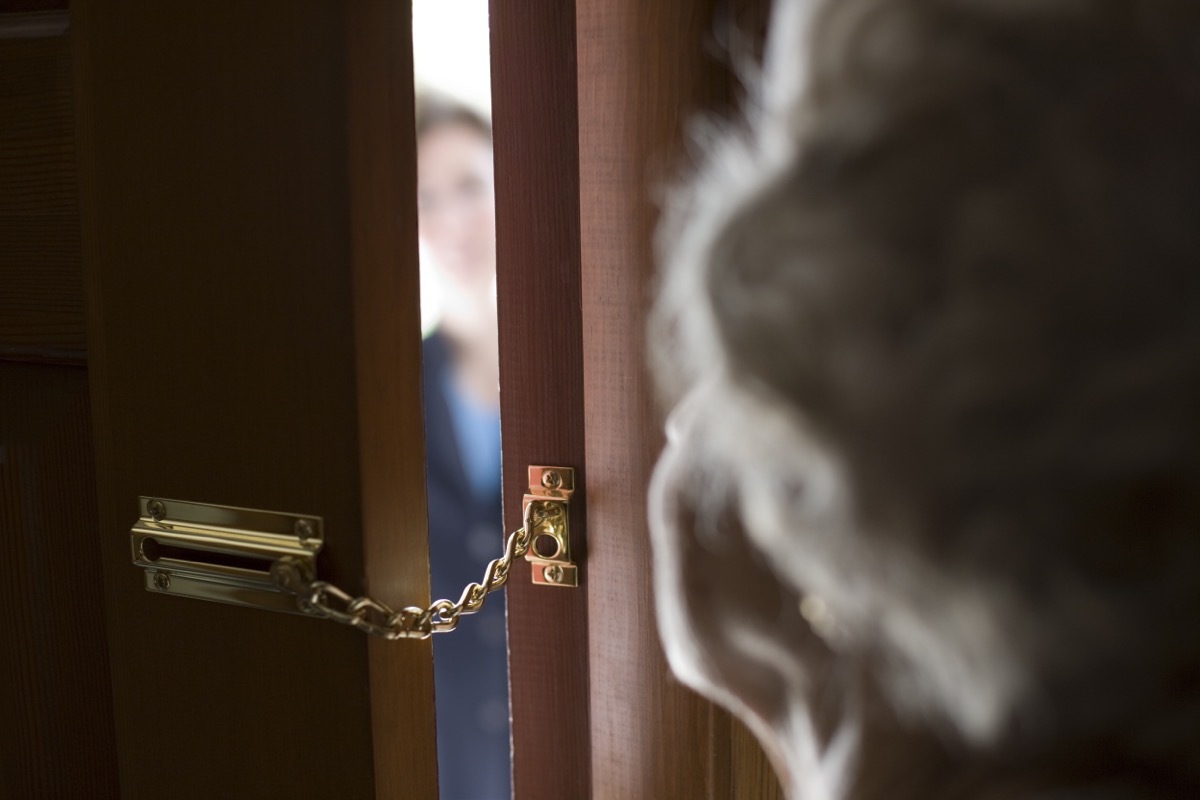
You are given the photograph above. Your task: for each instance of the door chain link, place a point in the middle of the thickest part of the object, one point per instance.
(323, 599)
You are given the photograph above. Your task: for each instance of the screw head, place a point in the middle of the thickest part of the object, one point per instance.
(551, 479)
(303, 529)
(162, 581)
(157, 509)
(553, 573)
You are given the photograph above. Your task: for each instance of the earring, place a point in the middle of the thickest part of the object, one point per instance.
(819, 617)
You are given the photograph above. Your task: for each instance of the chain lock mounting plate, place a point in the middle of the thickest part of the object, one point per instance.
(222, 553)
(550, 550)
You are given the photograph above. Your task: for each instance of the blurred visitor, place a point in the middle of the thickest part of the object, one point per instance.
(456, 210)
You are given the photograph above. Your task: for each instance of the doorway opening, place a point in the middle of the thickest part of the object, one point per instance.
(457, 226)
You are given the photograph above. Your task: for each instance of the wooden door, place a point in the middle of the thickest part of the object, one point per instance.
(249, 240)
(591, 104)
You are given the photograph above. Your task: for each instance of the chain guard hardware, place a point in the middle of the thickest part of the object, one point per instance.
(550, 490)
(545, 522)
(323, 599)
(268, 560)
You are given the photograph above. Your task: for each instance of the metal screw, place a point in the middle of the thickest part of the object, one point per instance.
(162, 581)
(157, 509)
(551, 479)
(303, 529)
(553, 573)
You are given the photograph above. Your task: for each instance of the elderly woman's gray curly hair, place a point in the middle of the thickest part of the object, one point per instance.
(940, 294)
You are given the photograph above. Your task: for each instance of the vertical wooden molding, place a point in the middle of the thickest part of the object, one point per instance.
(541, 377)
(637, 75)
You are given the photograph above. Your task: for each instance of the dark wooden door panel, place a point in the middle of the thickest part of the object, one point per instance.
(56, 739)
(250, 253)
(41, 278)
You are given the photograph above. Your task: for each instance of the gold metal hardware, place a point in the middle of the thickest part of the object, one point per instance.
(322, 599)
(222, 553)
(550, 490)
(267, 559)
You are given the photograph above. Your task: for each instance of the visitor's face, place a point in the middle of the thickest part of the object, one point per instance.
(456, 205)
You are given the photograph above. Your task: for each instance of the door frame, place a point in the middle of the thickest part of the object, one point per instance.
(592, 102)
(538, 275)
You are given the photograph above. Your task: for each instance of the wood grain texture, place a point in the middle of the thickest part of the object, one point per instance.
(541, 377)
(644, 71)
(33, 24)
(383, 180)
(31, 6)
(652, 737)
(41, 279)
(751, 776)
(223, 271)
(57, 738)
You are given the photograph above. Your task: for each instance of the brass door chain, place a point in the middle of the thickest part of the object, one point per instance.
(268, 559)
(323, 599)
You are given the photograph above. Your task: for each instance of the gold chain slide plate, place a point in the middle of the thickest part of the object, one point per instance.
(267, 559)
(222, 553)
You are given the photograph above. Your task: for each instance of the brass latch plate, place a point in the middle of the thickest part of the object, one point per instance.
(550, 490)
(222, 553)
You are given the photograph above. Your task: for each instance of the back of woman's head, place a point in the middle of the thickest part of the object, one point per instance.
(944, 292)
